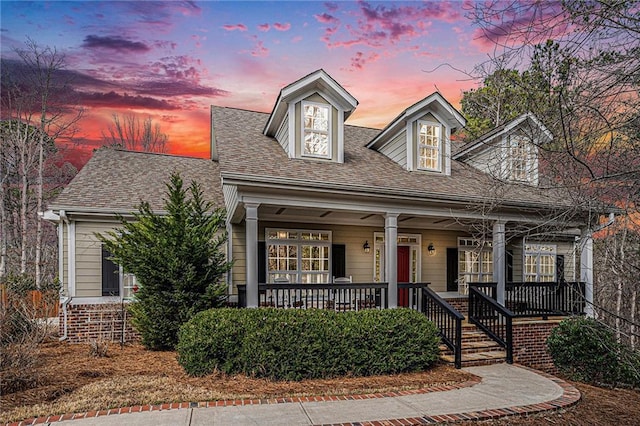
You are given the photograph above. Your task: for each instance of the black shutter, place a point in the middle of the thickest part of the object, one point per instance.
(262, 262)
(452, 269)
(509, 266)
(560, 268)
(110, 275)
(338, 260)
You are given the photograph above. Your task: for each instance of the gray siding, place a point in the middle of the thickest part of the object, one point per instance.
(396, 149)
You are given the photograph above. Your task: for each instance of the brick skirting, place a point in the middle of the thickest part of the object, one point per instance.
(86, 323)
(460, 304)
(530, 344)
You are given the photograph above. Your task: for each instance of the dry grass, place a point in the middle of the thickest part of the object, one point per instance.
(71, 380)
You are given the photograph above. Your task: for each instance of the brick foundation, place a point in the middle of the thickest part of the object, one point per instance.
(460, 304)
(530, 344)
(86, 323)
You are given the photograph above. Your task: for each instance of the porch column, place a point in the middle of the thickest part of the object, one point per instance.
(391, 253)
(251, 246)
(499, 261)
(586, 269)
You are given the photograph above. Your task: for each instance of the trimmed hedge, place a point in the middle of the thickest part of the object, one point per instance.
(587, 351)
(292, 344)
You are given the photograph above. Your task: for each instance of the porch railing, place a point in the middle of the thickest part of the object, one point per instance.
(447, 319)
(492, 318)
(539, 299)
(340, 297)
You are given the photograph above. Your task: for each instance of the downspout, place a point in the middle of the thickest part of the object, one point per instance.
(67, 299)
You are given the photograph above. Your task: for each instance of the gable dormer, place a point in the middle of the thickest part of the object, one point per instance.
(419, 139)
(308, 118)
(509, 152)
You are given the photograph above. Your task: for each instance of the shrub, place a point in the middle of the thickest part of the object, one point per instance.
(22, 330)
(291, 344)
(177, 258)
(585, 350)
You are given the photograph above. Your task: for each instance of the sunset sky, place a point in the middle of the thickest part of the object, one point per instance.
(171, 60)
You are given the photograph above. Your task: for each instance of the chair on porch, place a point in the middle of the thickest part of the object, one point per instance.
(342, 297)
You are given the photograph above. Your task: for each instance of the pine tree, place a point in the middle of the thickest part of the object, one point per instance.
(177, 259)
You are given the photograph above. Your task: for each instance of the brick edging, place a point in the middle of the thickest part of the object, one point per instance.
(237, 402)
(570, 396)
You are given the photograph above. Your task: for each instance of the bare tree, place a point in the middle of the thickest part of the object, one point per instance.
(36, 111)
(581, 60)
(131, 133)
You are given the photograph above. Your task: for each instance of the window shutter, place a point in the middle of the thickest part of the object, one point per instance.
(509, 266)
(560, 268)
(262, 262)
(110, 275)
(338, 260)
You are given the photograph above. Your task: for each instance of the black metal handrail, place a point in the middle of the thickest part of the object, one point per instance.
(530, 299)
(447, 319)
(492, 318)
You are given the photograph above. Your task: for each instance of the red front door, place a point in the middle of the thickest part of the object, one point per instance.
(403, 275)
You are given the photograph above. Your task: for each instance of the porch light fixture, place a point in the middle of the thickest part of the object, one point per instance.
(366, 247)
(431, 249)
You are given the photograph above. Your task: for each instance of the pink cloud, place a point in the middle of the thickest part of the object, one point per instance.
(296, 39)
(282, 27)
(264, 27)
(325, 18)
(524, 23)
(360, 59)
(239, 27)
(331, 6)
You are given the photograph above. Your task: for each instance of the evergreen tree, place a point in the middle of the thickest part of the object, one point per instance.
(177, 258)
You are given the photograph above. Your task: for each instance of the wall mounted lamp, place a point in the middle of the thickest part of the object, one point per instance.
(431, 249)
(366, 247)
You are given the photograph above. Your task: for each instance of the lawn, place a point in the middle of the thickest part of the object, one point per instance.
(71, 380)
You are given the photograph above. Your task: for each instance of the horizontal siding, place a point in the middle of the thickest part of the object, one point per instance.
(282, 135)
(89, 258)
(396, 149)
(359, 264)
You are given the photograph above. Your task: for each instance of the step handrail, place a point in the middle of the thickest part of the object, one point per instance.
(448, 321)
(492, 318)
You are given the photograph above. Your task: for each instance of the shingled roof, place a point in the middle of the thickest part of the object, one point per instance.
(116, 181)
(243, 149)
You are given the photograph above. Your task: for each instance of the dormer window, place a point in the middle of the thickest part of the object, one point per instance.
(520, 159)
(429, 146)
(317, 130)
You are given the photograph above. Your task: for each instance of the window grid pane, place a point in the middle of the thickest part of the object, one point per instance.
(429, 146)
(316, 130)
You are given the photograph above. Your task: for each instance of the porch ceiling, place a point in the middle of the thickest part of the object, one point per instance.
(274, 213)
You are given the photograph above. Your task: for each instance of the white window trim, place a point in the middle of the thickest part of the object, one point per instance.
(329, 130)
(475, 246)
(416, 250)
(418, 145)
(299, 243)
(535, 250)
(530, 160)
(121, 278)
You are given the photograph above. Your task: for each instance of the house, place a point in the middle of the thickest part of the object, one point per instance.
(310, 198)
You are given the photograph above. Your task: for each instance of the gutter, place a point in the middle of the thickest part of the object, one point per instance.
(65, 302)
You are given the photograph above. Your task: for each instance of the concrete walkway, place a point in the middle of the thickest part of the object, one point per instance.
(504, 389)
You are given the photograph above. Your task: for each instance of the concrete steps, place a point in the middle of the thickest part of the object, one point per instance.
(477, 349)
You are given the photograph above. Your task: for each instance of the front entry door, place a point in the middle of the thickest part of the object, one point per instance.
(403, 275)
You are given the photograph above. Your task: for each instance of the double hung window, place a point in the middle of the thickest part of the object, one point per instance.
(539, 263)
(519, 159)
(317, 130)
(475, 261)
(429, 146)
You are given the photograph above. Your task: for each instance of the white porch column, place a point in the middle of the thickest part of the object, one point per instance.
(391, 253)
(586, 269)
(499, 260)
(251, 246)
